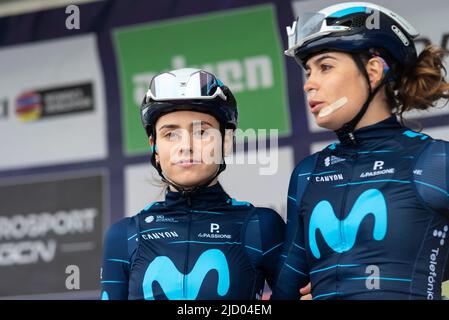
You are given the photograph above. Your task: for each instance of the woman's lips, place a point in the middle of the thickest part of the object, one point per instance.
(187, 163)
(317, 107)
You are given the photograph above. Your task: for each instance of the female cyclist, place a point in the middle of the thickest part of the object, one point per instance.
(367, 216)
(198, 243)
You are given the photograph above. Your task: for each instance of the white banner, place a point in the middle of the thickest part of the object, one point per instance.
(51, 103)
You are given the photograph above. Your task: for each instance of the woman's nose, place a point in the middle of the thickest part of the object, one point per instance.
(310, 85)
(185, 145)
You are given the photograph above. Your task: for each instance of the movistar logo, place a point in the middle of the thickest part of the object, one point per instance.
(340, 234)
(163, 271)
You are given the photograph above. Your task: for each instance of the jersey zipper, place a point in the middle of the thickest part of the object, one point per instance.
(345, 196)
(342, 211)
(186, 263)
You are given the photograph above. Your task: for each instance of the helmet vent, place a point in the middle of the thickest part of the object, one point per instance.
(353, 22)
(346, 23)
(358, 22)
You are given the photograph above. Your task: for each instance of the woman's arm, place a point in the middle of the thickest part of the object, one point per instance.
(293, 273)
(431, 176)
(115, 268)
(272, 231)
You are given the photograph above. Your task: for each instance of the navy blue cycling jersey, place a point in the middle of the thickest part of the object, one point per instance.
(369, 221)
(207, 247)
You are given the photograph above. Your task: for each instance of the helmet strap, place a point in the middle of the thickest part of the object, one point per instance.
(345, 133)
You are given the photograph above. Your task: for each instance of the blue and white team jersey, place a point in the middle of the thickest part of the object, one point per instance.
(210, 247)
(369, 221)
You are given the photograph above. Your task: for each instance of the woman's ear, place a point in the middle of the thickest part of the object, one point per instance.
(153, 147)
(228, 141)
(375, 70)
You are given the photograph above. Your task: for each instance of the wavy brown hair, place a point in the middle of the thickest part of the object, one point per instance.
(421, 85)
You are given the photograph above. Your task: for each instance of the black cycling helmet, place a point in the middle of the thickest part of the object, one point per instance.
(188, 89)
(354, 28)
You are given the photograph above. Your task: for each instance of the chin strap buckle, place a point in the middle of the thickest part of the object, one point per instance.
(351, 136)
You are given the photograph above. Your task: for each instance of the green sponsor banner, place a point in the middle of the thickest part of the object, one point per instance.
(242, 47)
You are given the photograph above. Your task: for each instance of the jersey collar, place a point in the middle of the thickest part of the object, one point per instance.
(378, 131)
(211, 196)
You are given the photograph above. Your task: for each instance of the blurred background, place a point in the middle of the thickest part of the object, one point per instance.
(73, 156)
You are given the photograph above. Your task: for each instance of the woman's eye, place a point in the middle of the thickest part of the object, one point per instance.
(201, 134)
(172, 135)
(326, 67)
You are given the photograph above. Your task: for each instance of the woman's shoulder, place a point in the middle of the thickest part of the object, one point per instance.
(127, 223)
(443, 143)
(308, 163)
(119, 229)
(267, 214)
(237, 203)
(413, 138)
(436, 149)
(249, 205)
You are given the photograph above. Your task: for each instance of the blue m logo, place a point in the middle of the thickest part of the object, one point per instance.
(340, 234)
(162, 270)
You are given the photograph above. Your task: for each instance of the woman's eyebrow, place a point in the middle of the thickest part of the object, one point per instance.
(202, 122)
(169, 126)
(318, 60)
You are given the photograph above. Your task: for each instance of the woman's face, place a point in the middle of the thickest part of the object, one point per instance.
(189, 146)
(335, 88)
